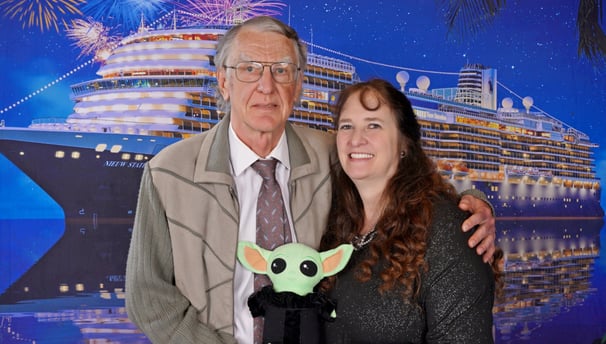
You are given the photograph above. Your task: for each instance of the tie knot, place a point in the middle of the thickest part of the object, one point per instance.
(265, 168)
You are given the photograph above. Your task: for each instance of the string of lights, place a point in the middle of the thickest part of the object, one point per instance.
(45, 87)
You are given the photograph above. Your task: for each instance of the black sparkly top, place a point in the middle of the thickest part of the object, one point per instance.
(455, 303)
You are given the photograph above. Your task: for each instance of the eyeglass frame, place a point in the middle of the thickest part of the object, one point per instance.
(271, 72)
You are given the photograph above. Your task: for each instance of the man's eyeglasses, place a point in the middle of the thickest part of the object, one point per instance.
(281, 72)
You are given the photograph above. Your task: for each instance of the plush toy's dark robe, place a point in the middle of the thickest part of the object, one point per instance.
(291, 318)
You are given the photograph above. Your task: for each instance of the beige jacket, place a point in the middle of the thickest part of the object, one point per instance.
(180, 269)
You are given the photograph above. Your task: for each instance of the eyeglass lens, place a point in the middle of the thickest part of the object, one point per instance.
(282, 72)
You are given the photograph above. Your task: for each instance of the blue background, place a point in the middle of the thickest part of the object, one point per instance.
(532, 44)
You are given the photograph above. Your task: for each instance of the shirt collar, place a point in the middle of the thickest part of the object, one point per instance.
(242, 157)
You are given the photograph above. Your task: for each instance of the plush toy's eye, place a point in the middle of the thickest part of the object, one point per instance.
(308, 268)
(278, 265)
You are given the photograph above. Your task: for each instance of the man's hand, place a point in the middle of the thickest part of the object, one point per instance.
(481, 216)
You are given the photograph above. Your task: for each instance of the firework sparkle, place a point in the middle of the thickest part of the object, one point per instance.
(125, 13)
(229, 12)
(43, 14)
(91, 37)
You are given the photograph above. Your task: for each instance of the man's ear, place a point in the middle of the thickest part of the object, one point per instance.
(221, 82)
(336, 259)
(252, 257)
(299, 88)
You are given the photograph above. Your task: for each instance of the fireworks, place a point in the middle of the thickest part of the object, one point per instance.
(91, 37)
(229, 11)
(39, 13)
(126, 13)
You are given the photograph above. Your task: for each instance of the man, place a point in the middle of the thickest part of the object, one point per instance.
(198, 196)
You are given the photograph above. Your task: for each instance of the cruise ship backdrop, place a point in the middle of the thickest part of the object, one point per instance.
(156, 86)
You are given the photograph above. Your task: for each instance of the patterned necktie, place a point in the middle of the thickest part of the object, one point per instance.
(272, 223)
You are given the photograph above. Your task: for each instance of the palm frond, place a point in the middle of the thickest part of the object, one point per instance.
(469, 16)
(592, 40)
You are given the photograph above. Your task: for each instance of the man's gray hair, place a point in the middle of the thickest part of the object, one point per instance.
(263, 24)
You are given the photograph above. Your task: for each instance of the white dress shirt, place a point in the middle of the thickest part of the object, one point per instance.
(248, 184)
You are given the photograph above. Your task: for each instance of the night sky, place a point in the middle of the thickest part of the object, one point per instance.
(532, 44)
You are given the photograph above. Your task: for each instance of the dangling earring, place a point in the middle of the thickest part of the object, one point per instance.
(402, 154)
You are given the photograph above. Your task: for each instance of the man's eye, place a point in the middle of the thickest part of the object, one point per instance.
(249, 69)
(280, 70)
(344, 126)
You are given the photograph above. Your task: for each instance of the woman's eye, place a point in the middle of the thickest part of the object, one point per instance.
(374, 125)
(344, 126)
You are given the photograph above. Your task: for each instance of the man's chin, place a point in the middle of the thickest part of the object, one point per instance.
(268, 122)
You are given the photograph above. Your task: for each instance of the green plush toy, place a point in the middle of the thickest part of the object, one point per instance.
(292, 310)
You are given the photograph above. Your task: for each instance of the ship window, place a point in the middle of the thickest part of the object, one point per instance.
(59, 154)
(75, 155)
(125, 156)
(116, 148)
(100, 147)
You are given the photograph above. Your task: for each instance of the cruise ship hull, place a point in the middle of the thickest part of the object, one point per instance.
(534, 201)
(94, 178)
(97, 190)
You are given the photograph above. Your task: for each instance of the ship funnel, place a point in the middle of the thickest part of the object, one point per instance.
(527, 101)
(402, 77)
(423, 83)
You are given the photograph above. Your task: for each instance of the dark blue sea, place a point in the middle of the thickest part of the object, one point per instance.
(555, 288)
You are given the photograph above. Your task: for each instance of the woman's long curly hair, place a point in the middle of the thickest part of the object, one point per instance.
(402, 229)
(499, 275)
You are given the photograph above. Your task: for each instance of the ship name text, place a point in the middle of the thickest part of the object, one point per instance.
(126, 164)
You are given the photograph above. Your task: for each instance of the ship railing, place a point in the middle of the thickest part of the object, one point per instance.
(442, 97)
(98, 85)
(468, 111)
(53, 126)
(473, 135)
(471, 158)
(136, 128)
(329, 62)
(150, 32)
(49, 121)
(581, 135)
(323, 81)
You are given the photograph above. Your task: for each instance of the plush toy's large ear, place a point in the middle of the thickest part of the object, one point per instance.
(253, 257)
(336, 259)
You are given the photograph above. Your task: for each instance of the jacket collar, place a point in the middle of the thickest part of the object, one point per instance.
(213, 158)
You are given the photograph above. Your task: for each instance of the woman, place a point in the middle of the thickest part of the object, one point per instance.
(412, 278)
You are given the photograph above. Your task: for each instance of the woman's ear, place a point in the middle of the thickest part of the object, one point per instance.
(403, 149)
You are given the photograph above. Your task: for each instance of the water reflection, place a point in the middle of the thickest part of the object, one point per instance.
(96, 318)
(549, 267)
(554, 273)
(83, 260)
